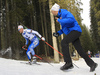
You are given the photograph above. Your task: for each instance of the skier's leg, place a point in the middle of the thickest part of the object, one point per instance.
(65, 44)
(32, 46)
(81, 52)
(29, 54)
(33, 53)
(65, 48)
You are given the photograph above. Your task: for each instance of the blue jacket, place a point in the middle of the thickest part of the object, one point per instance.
(68, 22)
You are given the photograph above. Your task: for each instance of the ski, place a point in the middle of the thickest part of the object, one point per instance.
(30, 64)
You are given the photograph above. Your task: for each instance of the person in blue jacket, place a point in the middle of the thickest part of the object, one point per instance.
(70, 27)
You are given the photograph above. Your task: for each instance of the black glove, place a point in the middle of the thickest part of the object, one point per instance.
(56, 34)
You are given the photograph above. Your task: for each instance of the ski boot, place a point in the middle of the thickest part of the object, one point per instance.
(34, 60)
(30, 62)
(67, 66)
(93, 67)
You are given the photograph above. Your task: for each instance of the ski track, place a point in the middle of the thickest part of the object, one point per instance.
(14, 67)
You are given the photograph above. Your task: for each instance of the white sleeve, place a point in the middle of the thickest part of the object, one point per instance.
(37, 34)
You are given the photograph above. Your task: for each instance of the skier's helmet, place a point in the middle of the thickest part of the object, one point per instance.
(20, 27)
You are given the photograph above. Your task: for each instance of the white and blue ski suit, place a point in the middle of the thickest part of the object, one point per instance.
(31, 35)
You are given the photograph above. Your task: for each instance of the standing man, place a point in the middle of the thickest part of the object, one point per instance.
(31, 35)
(73, 31)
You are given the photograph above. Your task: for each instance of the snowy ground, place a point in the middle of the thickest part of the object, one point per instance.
(13, 67)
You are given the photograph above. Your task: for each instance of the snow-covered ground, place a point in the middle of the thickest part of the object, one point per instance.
(14, 67)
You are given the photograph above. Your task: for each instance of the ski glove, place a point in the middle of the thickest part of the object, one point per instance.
(24, 47)
(42, 38)
(55, 34)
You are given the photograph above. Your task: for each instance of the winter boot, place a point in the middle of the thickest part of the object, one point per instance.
(93, 67)
(34, 60)
(30, 62)
(67, 66)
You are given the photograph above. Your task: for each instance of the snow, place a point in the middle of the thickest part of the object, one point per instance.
(8, 50)
(15, 67)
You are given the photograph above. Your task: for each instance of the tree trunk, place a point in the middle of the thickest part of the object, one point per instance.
(41, 18)
(8, 27)
(35, 22)
(77, 56)
(62, 36)
(56, 55)
(3, 29)
(45, 26)
(0, 24)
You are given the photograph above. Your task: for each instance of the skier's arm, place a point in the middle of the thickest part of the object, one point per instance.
(60, 32)
(36, 33)
(66, 20)
(26, 41)
(69, 19)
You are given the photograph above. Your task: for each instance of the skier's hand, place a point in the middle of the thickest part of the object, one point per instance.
(55, 34)
(42, 38)
(56, 19)
(24, 47)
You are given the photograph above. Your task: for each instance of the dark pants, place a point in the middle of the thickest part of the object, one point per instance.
(73, 37)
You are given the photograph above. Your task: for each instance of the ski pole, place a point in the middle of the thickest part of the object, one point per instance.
(42, 59)
(53, 48)
(38, 57)
(56, 51)
(76, 65)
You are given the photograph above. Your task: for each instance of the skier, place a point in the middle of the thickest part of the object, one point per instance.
(89, 53)
(31, 35)
(73, 31)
